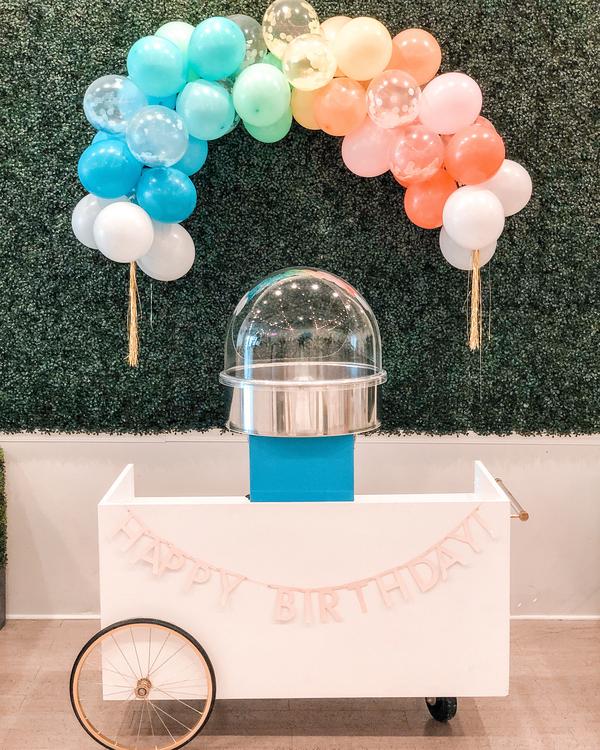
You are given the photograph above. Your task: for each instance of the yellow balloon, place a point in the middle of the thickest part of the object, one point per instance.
(330, 29)
(363, 48)
(303, 109)
(308, 62)
(285, 20)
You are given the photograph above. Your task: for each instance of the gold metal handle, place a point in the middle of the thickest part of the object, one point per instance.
(518, 510)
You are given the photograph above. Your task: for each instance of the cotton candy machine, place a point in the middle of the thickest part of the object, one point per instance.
(303, 358)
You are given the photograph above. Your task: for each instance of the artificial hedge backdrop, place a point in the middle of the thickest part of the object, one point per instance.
(263, 207)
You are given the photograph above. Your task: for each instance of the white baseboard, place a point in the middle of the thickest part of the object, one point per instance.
(96, 616)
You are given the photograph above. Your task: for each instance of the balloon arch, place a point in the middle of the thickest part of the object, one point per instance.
(346, 76)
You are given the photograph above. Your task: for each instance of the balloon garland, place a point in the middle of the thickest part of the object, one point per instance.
(346, 76)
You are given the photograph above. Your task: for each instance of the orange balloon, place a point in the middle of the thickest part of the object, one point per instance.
(424, 201)
(416, 52)
(341, 106)
(484, 122)
(303, 108)
(330, 29)
(474, 154)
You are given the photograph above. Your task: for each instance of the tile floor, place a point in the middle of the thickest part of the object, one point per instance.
(554, 703)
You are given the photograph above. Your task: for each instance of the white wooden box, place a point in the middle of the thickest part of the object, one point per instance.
(451, 640)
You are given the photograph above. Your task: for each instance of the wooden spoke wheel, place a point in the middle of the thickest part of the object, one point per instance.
(142, 684)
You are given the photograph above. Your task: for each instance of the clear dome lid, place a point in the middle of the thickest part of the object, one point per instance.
(302, 327)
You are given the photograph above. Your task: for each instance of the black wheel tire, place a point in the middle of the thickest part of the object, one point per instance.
(144, 621)
(443, 709)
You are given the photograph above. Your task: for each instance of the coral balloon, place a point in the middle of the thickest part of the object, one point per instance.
(363, 48)
(511, 185)
(393, 99)
(424, 201)
(461, 257)
(330, 29)
(474, 154)
(417, 52)
(341, 106)
(417, 154)
(473, 218)
(484, 122)
(285, 20)
(303, 109)
(450, 102)
(308, 62)
(366, 150)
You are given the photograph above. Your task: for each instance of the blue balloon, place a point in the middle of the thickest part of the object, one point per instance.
(111, 101)
(217, 48)
(102, 135)
(166, 194)
(157, 66)
(157, 136)
(207, 109)
(108, 169)
(194, 157)
(164, 101)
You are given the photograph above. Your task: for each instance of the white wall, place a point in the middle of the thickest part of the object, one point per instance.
(54, 484)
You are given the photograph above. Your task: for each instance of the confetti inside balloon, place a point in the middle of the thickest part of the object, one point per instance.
(309, 62)
(111, 101)
(393, 99)
(285, 20)
(256, 48)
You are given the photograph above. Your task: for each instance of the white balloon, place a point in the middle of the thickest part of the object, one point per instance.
(172, 253)
(459, 256)
(473, 218)
(511, 185)
(123, 232)
(85, 214)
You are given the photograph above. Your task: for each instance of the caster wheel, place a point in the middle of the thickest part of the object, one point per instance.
(442, 709)
(142, 685)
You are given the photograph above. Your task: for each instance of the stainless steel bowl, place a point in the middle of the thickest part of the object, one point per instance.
(303, 399)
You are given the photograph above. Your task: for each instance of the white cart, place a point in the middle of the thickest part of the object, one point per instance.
(204, 597)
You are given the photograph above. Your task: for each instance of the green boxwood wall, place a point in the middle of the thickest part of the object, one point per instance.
(263, 207)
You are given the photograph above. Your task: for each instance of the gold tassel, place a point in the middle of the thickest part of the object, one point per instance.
(132, 317)
(475, 311)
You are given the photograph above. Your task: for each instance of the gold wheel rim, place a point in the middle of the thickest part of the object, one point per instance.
(135, 683)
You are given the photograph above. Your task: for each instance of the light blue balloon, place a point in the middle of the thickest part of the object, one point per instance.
(165, 101)
(193, 159)
(111, 101)
(157, 66)
(101, 135)
(108, 169)
(166, 194)
(207, 109)
(217, 48)
(157, 136)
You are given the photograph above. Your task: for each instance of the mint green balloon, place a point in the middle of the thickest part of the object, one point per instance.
(270, 59)
(261, 95)
(274, 132)
(178, 32)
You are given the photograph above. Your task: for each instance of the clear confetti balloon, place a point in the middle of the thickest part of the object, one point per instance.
(309, 62)
(393, 99)
(285, 20)
(157, 136)
(111, 101)
(256, 47)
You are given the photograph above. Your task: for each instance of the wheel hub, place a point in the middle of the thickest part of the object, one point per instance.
(143, 687)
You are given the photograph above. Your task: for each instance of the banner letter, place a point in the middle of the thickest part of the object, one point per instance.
(446, 559)
(200, 573)
(433, 575)
(228, 586)
(385, 588)
(357, 587)
(284, 606)
(328, 601)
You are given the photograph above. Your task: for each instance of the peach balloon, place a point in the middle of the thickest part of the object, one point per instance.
(424, 201)
(484, 122)
(417, 52)
(363, 48)
(341, 106)
(417, 154)
(450, 102)
(303, 108)
(474, 154)
(366, 150)
(330, 29)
